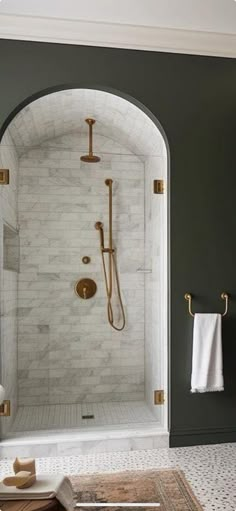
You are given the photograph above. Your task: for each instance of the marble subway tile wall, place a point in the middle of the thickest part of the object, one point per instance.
(8, 283)
(67, 351)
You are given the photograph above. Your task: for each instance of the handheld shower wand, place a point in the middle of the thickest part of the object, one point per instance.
(99, 227)
(112, 266)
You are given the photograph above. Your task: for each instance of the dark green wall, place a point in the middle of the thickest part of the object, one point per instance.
(194, 98)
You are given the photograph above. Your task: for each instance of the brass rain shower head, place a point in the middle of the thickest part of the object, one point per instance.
(90, 158)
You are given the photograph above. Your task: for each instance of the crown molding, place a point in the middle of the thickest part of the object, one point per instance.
(30, 28)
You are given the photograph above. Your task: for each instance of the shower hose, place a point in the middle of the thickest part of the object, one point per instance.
(112, 264)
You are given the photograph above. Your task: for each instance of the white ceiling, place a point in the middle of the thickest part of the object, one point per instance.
(64, 112)
(217, 16)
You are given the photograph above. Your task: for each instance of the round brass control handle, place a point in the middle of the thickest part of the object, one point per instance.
(85, 288)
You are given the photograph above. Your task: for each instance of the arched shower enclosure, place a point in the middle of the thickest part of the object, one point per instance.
(84, 268)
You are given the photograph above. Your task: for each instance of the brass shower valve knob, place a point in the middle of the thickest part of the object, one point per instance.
(85, 288)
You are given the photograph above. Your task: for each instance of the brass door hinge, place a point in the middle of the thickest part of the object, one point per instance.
(5, 409)
(159, 397)
(4, 176)
(158, 186)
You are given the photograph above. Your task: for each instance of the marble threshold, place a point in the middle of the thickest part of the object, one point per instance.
(125, 437)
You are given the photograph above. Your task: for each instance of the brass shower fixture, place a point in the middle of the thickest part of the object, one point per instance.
(110, 271)
(90, 157)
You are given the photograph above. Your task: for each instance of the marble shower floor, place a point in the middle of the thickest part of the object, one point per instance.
(211, 470)
(46, 417)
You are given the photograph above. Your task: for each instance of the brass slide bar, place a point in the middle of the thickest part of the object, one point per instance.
(224, 296)
(108, 182)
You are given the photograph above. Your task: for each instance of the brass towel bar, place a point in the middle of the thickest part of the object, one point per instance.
(224, 296)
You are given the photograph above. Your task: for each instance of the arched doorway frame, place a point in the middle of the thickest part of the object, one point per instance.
(165, 285)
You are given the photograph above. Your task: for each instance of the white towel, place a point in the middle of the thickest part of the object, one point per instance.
(207, 360)
(45, 487)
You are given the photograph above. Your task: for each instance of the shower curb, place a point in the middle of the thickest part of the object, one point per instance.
(67, 443)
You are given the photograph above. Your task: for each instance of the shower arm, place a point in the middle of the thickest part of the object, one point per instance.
(90, 157)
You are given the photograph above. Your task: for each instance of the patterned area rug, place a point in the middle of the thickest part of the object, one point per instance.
(167, 487)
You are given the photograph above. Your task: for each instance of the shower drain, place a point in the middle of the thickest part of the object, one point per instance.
(87, 416)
